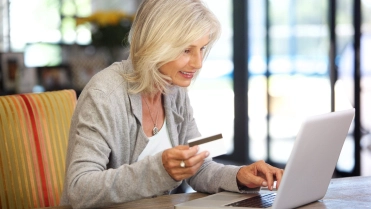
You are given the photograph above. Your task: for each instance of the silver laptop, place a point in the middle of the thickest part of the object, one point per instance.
(308, 171)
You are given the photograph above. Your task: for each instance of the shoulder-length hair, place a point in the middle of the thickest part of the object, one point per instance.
(161, 31)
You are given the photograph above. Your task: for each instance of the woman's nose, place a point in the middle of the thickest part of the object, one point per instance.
(196, 60)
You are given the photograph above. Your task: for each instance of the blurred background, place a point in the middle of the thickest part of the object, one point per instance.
(276, 63)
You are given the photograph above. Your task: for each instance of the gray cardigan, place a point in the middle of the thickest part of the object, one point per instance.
(106, 138)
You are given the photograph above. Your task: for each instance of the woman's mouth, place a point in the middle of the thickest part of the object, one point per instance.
(188, 75)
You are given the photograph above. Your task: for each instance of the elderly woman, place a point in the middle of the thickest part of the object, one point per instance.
(129, 132)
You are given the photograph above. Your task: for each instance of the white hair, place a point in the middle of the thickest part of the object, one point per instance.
(161, 31)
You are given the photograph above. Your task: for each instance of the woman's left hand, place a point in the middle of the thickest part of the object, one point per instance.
(259, 174)
(182, 162)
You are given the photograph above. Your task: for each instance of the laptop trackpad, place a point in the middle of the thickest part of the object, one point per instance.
(216, 200)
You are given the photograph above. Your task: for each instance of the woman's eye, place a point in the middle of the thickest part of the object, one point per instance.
(187, 51)
(203, 48)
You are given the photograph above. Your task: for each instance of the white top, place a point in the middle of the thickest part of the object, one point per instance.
(157, 143)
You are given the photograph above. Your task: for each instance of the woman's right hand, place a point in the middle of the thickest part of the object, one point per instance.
(172, 159)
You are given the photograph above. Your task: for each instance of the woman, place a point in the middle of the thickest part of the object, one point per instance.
(129, 132)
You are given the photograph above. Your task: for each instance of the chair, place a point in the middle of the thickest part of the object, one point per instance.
(33, 144)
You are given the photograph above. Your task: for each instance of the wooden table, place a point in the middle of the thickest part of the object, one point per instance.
(351, 192)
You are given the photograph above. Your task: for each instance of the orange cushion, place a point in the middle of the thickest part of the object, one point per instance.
(33, 142)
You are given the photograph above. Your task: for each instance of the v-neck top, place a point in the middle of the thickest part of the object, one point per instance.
(157, 143)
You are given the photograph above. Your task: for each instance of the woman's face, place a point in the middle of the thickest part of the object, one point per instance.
(189, 62)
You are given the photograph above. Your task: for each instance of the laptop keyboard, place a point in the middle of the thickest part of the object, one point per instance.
(260, 201)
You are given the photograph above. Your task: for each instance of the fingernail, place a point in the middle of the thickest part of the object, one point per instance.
(207, 154)
(264, 184)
